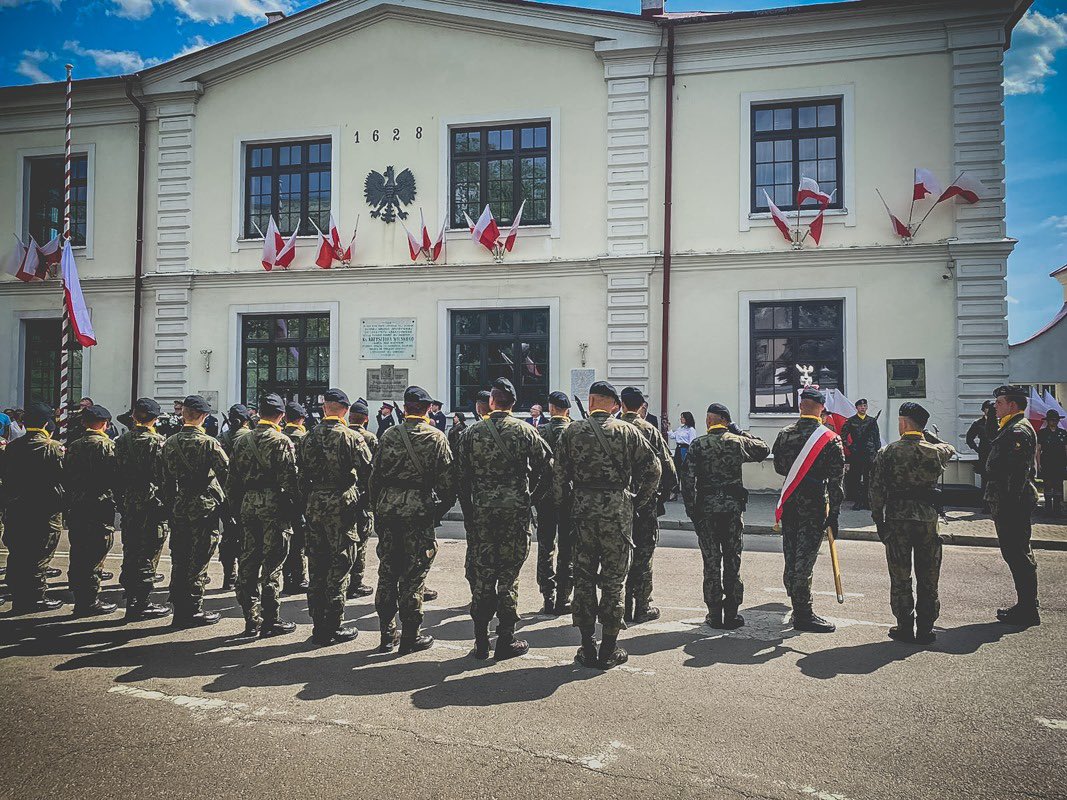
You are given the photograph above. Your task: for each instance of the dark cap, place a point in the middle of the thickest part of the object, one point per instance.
(863, 401)
(199, 405)
(294, 411)
(95, 413)
(915, 412)
(482, 396)
(1011, 392)
(504, 385)
(721, 410)
(604, 389)
(632, 396)
(559, 400)
(436, 403)
(416, 394)
(388, 404)
(335, 396)
(271, 404)
(1053, 413)
(147, 406)
(813, 394)
(37, 414)
(240, 411)
(360, 407)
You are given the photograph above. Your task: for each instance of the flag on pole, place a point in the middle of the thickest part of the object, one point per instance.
(815, 228)
(485, 231)
(966, 187)
(414, 245)
(52, 253)
(272, 243)
(470, 222)
(779, 218)
(839, 408)
(327, 247)
(926, 183)
(287, 251)
(513, 232)
(899, 228)
(32, 268)
(438, 246)
(809, 190)
(72, 296)
(13, 263)
(426, 243)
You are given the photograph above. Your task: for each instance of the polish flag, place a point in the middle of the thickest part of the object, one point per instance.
(779, 218)
(52, 253)
(899, 228)
(327, 246)
(470, 222)
(809, 190)
(13, 263)
(815, 228)
(819, 438)
(287, 250)
(926, 183)
(346, 254)
(438, 246)
(426, 243)
(72, 295)
(513, 232)
(31, 267)
(485, 230)
(838, 408)
(966, 187)
(272, 243)
(414, 245)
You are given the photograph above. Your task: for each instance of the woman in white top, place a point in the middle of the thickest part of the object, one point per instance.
(682, 436)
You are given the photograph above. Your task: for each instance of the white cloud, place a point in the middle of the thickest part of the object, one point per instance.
(112, 62)
(1012, 300)
(215, 11)
(30, 65)
(1036, 41)
(1057, 223)
(196, 43)
(133, 9)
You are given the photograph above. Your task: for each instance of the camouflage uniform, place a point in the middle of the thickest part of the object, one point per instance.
(90, 473)
(34, 499)
(805, 513)
(1053, 444)
(646, 520)
(606, 485)
(554, 526)
(294, 572)
(139, 453)
(407, 499)
(232, 536)
(263, 486)
(863, 438)
(904, 506)
(334, 469)
(500, 480)
(364, 517)
(194, 469)
(715, 499)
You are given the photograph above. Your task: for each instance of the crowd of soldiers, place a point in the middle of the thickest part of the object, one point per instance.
(270, 495)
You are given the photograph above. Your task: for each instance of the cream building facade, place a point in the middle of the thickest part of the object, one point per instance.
(494, 101)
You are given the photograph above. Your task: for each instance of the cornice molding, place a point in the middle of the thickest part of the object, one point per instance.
(90, 285)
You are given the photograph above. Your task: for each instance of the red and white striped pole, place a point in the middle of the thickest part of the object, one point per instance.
(64, 352)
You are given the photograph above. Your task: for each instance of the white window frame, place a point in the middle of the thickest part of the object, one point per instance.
(18, 379)
(444, 182)
(22, 188)
(834, 216)
(444, 334)
(240, 144)
(236, 312)
(744, 377)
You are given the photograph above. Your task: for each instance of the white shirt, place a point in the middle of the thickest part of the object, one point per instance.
(683, 435)
(15, 431)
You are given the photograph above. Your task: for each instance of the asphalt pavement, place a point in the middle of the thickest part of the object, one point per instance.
(97, 708)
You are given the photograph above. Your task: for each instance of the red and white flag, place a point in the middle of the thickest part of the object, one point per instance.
(809, 190)
(470, 222)
(966, 187)
(13, 262)
(485, 231)
(899, 228)
(287, 250)
(414, 243)
(72, 295)
(839, 408)
(327, 248)
(426, 243)
(32, 267)
(779, 218)
(272, 243)
(926, 183)
(820, 437)
(815, 228)
(438, 245)
(513, 232)
(52, 253)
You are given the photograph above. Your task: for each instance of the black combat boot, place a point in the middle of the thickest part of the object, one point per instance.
(105, 575)
(97, 608)
(138, 608)
(714, 617)
(563, 604)
(53, 572)
(804, 619)
(610, 654)
(35, 606)
(250, 632)
(924, 632)
(481, 640)
(645, 614)
(359, 590)
(731, 620)
(628, 614)
(414, 642)
(904, 630)
(390, 638)
(1020, 614)
(198, 619)
(158, 577)
(507, 646)
(587, 653)
(428, 594)
(277, 627)
(550, 603)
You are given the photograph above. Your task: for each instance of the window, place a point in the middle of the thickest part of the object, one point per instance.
(791, 141)
(510, 343)
(288, 354)
(44, 211)
(290, 180)
(787, 334)
(41, 378)
(500, 166)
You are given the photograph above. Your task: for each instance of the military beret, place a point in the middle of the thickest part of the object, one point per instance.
(37, 414)
(915, 412)
(721, 410)
(416, 394)
(361, 407)
(335, 396)
(504, 385)
(271, 404)
(604, 389)
(294, 411)
(1010, 392)
(1053, 413)
(95, 413)
(198, 404)
(240, 411)
(387, 404)
(862, 402)
(631, 395)
(482, 396)
(813, 394)
(146, 405)
(559, 400)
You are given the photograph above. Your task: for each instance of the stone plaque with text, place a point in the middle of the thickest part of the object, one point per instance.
(387, 338)
(387, 383)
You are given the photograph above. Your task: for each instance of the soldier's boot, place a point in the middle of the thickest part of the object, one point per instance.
(35, 606)
(481, 640)
(196, 620)
(714, 618)
(804, 619)
(610, 654)
(229, 575)
(138, 608)
(924, 632)
(904, 630)
(563, 603)
(250, 632)
(97, 608)
(731, 620)
(507, 646)
(105, 575)
(53, 572)
(587, 653)
(359, 589)
(158, 577)
(1019, 614)
(550, 603)
(645, 613)
(428, 594)
(277, 627)
(331, 630)
(628, 614)
(414, 642)
(390, 637)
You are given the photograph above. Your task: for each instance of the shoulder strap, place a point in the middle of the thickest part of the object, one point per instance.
(182, 460)
(497, 438)
(415, 460)
(259, 454)
(607, 450)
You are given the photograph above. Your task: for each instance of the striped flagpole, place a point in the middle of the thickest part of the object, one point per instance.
(64, 352)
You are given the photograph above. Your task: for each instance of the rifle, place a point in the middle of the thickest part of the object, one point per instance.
(836, 565)
(581, 407)
(396, 413)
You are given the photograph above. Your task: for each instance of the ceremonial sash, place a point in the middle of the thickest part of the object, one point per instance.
(819, 438)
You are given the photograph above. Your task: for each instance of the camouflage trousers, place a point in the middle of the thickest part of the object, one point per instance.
(721, 539)
(364, 532)
(263, 552)
(31, 541)
(473, 536)
(501, 551)
(802, 534)
(91, 539)
(193, 542)
(555, 551)
(639, 577)
(295, 570)
(406, 550)
(143, 537)
(331, 536)
(602, 551)
(906, 540)
(1014, 529)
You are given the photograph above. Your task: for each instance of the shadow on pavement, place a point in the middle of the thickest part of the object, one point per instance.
(496, 687)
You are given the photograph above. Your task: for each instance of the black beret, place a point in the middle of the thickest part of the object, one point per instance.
(95, 413)
(146, 405)
(361, 407)
(416, 394)
(335, 396)
(271, 404)
(862, 400)
(915, 412)
(631, 395)
(559, 400)
(721, 410)
(1052, 413)
(37, 414)
(1010, 392)
(813, 394)
(198, 404)
(240, 411)
(483, 396)
(294, 411)
(504, 385)
(604, 389)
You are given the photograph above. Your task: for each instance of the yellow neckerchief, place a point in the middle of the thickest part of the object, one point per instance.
(716, 427)
(811, 416)
(197, 428)
(1003, 421)
(98, 433)
(560, 416)
(296, 425)
(342, 420)
(267, 422)
(861, 416)
(415, 418)
(911, 433)
(151, 426)
(43, 431)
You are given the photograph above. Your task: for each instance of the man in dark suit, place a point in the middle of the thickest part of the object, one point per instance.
(537, 417)
(386, 420)
(439, 420)
(651, 419)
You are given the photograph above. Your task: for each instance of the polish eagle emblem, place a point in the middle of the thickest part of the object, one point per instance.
(386, 194)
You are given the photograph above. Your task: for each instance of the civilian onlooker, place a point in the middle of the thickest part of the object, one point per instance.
(17, 427)
(459, 424)
(537, 416)
(682, 436)
(651, 419)
(437, 418)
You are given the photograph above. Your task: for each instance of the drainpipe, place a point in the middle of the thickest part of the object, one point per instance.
(138, 256)
(667, 187)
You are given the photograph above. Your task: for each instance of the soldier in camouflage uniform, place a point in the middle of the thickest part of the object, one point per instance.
(358, 417)
(334, 469)
(812, 508)
(715, 499)
(194, 469)
(555, 580)
(609, 470)
(34, 503)
(639, 606)
(263, 485)
(904, 503)
(240, 418)
(295, 572)
(90, 473)
(1012, 496)
(503, 466)
(471, 530)
(861, 436)
(412, 485)
(139, 453)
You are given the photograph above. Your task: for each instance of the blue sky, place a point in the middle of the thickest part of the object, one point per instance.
(108, 37)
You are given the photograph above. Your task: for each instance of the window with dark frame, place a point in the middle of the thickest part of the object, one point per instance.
(285, 353)
(44, 204)
(493, 343)
(291, 181)
(791, 141)
(500, 166)
(785, 334)
(41, 375)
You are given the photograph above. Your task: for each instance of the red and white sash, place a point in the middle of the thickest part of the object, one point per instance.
(820, 437)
